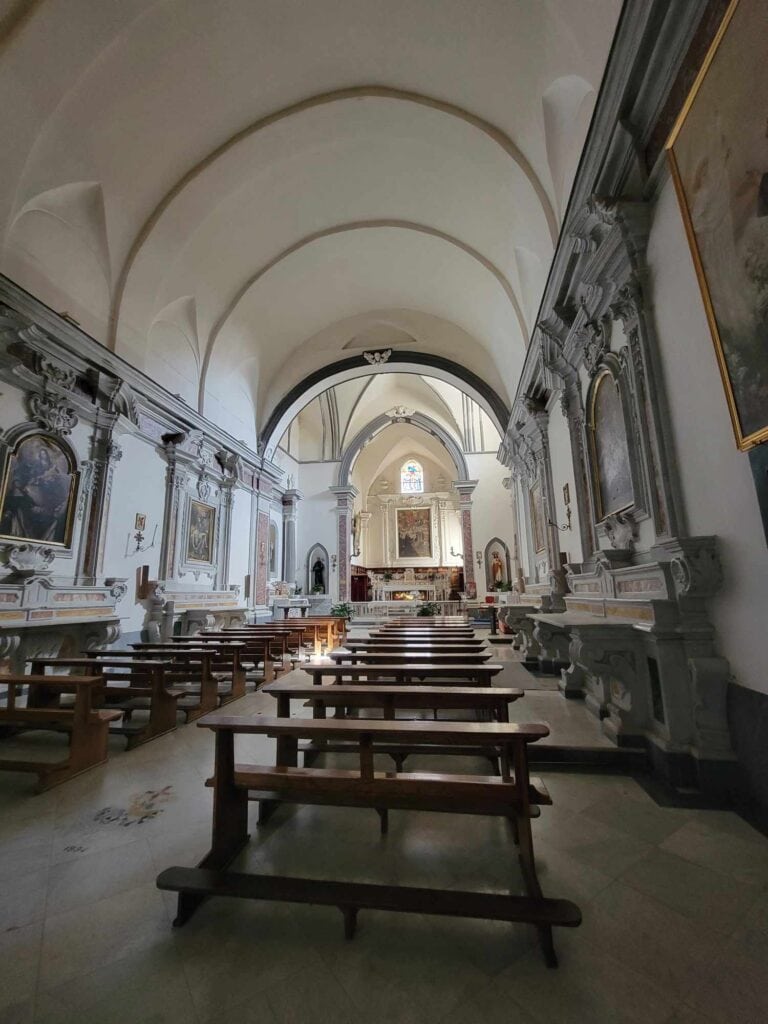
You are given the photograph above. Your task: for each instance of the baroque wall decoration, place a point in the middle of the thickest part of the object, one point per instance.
(609, 449)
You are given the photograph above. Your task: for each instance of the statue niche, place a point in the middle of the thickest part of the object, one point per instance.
(317, 570)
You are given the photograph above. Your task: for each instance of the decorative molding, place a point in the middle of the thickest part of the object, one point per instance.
(31, 558)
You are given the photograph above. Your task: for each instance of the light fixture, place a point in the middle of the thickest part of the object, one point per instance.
(479, 558)
(333, 562)
(456, 554)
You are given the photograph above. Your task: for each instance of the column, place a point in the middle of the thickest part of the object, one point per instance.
(345, 500)
(465, 489)
(105, 454)
(291, 498)
(365, 519)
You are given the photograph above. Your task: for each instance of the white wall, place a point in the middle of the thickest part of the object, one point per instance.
(239, 564)
(562, 474)
(491, 511)
(316, 517)
(138, 486)
(717, 484)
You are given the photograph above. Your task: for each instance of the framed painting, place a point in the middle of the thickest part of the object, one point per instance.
(39, 488)
(538, 525)
(609, 449)
(414, 532)
(718, 154)
(200, 533)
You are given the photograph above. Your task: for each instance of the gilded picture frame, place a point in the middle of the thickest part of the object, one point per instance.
(718, 157)
(414, 532)
(38, 492)
(201, 532)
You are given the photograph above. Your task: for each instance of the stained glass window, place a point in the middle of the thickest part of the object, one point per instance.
(411, 478)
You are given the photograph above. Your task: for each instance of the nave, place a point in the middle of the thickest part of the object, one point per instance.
(673, 899)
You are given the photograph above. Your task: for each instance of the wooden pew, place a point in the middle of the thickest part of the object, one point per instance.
(135, 683)
(478, 674)
(268, 649)
(86, 726)
(396, 642)
(391, 657)
(222, 675)
(189, 670)
(513, 795)
(490, 701)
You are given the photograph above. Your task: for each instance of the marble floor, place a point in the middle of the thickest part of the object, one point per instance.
(674, 901)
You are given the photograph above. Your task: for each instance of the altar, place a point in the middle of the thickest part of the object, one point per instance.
(401, 586)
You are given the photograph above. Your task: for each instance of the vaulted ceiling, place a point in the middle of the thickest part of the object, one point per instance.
(234, 194)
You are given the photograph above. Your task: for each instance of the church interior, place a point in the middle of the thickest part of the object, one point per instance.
(383, 428)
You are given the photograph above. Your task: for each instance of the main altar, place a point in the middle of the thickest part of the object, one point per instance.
(410, 584)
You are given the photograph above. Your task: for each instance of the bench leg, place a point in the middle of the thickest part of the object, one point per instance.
(350, 921)
(383, 814)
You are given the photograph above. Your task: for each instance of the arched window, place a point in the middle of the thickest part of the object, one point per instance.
(411, 478)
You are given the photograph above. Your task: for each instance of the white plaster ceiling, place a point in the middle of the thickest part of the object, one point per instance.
(327, 425)
(229, 193)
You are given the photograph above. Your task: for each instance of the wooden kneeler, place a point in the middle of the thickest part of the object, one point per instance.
(510, 796)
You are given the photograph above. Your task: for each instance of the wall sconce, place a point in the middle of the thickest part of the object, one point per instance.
(567, 502)
(479, 558)
(456, 554)
(334, 560)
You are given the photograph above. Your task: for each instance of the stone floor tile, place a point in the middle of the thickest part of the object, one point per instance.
(311, 997)
(22, 899)
(96, 934)
(589, 987)
(19, 962)
(149, 986)
(733, 989)
(93, 876)
(711, 898)
(742, 859)
(643, 820)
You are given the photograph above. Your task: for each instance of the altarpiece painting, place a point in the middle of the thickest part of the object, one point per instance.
(38, 492)
(414, 533)
(718, 154)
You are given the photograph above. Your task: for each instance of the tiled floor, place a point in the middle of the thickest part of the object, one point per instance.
(675, 906)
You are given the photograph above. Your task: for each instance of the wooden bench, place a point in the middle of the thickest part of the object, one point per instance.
(128, 684)
(221, 672)
(492, 701)
(267, 649)
(401, 674)
(188, 670)
(408, 643)
(86, 726)
(512, 795)
(393, 657)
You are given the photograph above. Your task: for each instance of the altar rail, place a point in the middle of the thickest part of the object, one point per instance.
(392, 609)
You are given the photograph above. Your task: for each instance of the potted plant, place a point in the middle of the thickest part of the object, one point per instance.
(342, 610)
(429, 609)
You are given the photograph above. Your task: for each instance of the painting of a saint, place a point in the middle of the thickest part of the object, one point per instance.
(200, 535)
(609, 448)
(38, 492)
(414, 533)
(719, 158)
(538, 528)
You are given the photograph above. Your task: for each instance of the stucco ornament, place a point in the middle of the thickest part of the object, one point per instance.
(377, 358)
(699, 573)
(31, 558)
(53, 413)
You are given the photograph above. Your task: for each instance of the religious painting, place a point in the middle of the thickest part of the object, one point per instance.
(538, 522)
(497, 567)
(37, 502)
(414, 532)
(609, 449)
(200, 534)
(718, 154)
